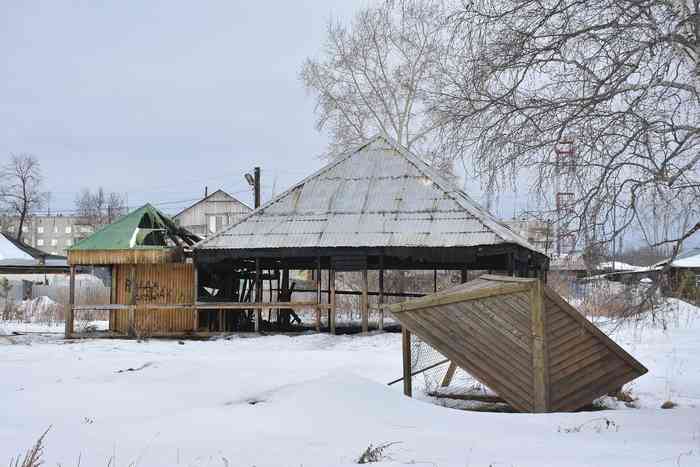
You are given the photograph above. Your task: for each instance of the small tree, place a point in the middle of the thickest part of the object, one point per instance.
(20, 188)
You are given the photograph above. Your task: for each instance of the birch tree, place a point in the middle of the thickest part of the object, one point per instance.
(99, 208)
(615, 80)
(20, 188)
(375, 74)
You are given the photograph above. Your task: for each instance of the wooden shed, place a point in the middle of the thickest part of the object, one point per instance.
(152, 290)
(521, 339)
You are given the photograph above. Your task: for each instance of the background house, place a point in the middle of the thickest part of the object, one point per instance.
(211, 214)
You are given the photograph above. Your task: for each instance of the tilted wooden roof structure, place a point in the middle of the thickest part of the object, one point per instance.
(521, 339)
(378, 199)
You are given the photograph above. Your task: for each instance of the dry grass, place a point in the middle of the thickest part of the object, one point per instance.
(33, 456)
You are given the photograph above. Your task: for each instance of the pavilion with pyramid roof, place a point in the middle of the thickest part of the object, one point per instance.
(379, 207)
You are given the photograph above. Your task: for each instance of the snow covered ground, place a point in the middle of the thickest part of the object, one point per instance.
(317, 400)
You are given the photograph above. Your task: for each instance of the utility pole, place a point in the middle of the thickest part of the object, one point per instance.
(256, 186)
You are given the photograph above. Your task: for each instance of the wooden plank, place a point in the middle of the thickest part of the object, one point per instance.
(132, 300)
(259, 306)
(589, 348)
(583, 383)
(447, 379)
(195, 312)
(406, 352)
(488, 318)
(582, 365)
(258, 295)
(365, 301)
(581, 399)
(540, 366)
(455, 297)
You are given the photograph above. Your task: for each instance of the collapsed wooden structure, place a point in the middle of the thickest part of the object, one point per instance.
(521, 339)
(380, 208)
(151, 282)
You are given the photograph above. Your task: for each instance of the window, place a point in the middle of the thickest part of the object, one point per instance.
(54, 242)
(39, 230)
(69, 242)
(55, 229)
(24, 228)
(68, 229)
(86, 229)
(40, 242)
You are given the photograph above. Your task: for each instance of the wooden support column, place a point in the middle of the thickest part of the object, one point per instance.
(132, 301)
(465, 275)
(69, 318)
(449, 375)
(195, 292)
(332, 311)
(113, 296)
(258, 294)
(539, 349)
(434, 280)
(406, 348)
(365, 301)
(381, 293)
(319, 294)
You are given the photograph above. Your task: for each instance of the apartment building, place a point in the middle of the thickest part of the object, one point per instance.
(51, 234)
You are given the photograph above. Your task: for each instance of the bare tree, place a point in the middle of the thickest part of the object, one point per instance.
(375, 74)
(99, 208)
(20, 189)
(614, 80)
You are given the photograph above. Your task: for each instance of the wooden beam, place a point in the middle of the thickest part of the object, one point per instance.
(540, 368)
(71, 305)
(332, 309)
(319, 298)
(464, 274)
(258, 294)
(381, 293)
(449, 375)
(365, 302)
(437, 300)
(434, 280)
(195, 291)
(132, 301)
(249, 306)
(406, 348)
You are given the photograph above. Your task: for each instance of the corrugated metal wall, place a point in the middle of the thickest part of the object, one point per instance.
(163, 284)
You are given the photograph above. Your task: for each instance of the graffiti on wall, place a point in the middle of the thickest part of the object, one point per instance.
(149, 291)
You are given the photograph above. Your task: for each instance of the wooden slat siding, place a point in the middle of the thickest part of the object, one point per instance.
(474, 363)
(516, 340)
(502, 353)
(584, 398)
(475, 366)
(510, 317)
(619, 351)
(583, 380)
(174, 287)
(503, 368)
(588, 348)
(592, 361)
(110, 257)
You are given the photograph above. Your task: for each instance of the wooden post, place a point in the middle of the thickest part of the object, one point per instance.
(406, 347)
(539, 349)
(113, 296)
(71, 303)
(195, 315)
(365, 301)
(449, 375)
(381, 293)
(132, 300)
(332, 311)
(258, 294)
(319, 298)
(465, 275)
(434, 280)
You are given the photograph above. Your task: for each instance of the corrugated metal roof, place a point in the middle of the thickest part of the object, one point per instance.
(379, 195)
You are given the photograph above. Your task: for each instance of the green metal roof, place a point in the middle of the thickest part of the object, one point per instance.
(143, 229)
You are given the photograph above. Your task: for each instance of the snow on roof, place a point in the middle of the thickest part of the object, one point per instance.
(619, 266)
(379, 195)
(686, 259)
(10, 251)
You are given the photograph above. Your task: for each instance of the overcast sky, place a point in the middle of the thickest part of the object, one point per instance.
(159, 99)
